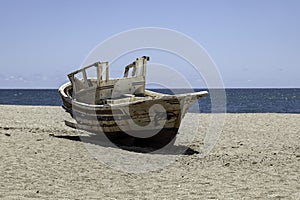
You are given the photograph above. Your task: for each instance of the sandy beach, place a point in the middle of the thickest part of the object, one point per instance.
(257, 156)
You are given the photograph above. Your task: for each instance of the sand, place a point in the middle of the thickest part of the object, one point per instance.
(257, 156)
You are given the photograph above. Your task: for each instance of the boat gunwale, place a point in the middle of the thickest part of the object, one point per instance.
(159, 96)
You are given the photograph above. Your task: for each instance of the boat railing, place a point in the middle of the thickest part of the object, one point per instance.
(138, 67)
(96, 77)
(80, 79)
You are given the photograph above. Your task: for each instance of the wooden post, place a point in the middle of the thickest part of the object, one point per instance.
(71, 78)
(144, 66)
(107, 71)
(85, 81)
(99, 74)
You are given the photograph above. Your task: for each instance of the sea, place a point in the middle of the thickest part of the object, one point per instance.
(250, 100)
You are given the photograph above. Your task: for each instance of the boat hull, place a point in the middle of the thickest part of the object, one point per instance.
(148, 122)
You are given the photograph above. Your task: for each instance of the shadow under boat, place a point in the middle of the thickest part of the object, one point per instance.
(136, 146)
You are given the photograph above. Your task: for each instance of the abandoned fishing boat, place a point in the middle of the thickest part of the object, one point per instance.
(122, 108)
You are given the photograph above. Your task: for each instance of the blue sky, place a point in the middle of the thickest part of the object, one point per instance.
(254, 43)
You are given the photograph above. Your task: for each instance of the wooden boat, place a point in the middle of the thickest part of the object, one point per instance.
(122, 109)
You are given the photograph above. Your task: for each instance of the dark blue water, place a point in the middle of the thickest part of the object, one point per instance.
(35, 97)
(238, 100)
